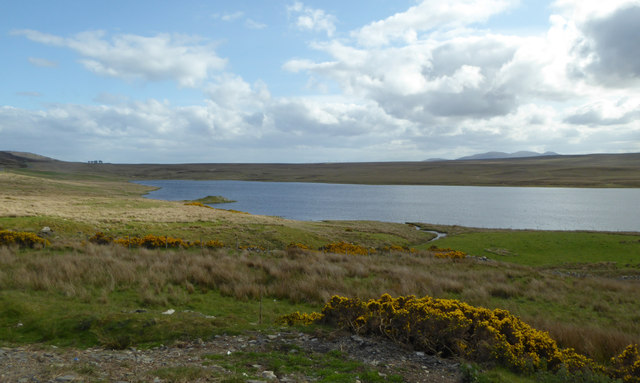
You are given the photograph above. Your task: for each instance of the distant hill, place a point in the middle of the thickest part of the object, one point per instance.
(522, 169)
(20, 159)
(500, 155)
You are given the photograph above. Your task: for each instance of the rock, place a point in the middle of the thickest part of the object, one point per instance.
(269, 375)
(46, 230)
(67, 378)
(169, 312)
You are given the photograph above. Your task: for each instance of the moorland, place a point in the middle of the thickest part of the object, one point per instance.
(104, 264)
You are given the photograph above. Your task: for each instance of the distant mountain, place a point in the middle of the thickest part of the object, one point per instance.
(501, 155)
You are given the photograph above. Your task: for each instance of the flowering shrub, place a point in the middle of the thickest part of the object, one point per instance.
(449, 327)
(297, 246)
(626, 366)
(447, 253)
(151, 241)
(347, 248)
(399, 249)
(200, 204)
(298, 318)
(21, 239)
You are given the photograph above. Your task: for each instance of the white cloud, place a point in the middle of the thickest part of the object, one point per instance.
(311, 19)
(252, 24)
(428, 15)
(232, 16)
(161, 57)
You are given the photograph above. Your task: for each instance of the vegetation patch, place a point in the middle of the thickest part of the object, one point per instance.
(212, 200)
(547, 248)
(21, 239)
(332, 366)
(453, 328)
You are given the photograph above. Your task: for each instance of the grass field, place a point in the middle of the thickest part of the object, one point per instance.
(581, 287)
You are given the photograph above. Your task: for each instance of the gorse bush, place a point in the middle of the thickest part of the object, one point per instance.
(399, 249)
(626, 366)
(449, 327)
(21, 239)
(447, 253)
(346, 248)
(151, 241)
(199, 204)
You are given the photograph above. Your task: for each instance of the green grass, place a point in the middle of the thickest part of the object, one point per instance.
(332, 366)
(547, 248)
(123, 318)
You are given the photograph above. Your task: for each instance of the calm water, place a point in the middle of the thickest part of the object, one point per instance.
(490, 207)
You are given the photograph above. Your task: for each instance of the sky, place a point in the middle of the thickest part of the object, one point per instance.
(291, 81)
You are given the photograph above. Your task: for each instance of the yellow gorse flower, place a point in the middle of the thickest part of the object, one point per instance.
(449, 327)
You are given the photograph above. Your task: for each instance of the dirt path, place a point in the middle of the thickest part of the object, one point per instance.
(207, 361)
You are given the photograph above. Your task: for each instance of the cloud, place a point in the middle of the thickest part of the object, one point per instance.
(37, 61)
(162, 57)
(613, 46)
(311, 19)
(427, 82)
(29, 94)
(427, 16)
(231, 16)
(606, 113)
(252, 24)
(459, 86)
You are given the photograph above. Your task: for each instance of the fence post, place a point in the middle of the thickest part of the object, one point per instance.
(260, 316)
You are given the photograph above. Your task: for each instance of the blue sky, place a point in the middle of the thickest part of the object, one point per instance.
(317, 81)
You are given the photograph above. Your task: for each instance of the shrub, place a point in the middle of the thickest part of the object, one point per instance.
(452, 328)
(297, 246)
(626, 366)
(298, 318)
(447, 253)
(101, 238)
(151, 241)
(399, 249)
(346, 248)
(200, 204)
(21, 239)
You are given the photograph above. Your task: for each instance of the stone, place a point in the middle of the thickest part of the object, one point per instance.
(67, 378)
(269, 375)
(46, 230)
